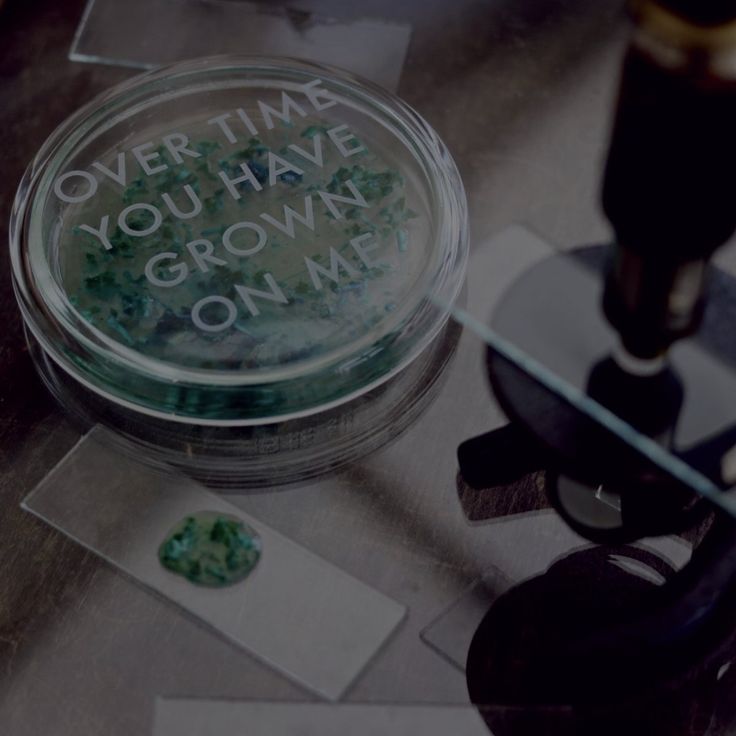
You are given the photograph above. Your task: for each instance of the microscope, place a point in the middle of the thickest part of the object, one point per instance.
(625, 657)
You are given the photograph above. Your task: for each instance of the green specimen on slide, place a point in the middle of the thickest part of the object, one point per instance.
(211, 549)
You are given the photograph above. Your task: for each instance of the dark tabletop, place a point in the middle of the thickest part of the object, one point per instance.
(521, 92)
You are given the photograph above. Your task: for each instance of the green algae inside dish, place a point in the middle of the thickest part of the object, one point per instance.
(211, 549)
(308, 274)
(239, 241)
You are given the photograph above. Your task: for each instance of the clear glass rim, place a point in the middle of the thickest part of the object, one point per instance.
(60, 330)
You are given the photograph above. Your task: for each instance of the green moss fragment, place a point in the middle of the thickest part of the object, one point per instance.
(402, 240)
(312, 130)
(205, 148)
(373, 185)
(103, 286)
(133, 193)
(211, 549)
(113, 322)
(215, 203)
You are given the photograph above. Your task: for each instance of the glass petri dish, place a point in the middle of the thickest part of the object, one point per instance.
(238, 241)
(234, 457)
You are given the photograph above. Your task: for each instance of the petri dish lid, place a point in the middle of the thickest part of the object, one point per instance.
(239, 240)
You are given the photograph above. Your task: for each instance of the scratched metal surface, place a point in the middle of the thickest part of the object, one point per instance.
(521, 93)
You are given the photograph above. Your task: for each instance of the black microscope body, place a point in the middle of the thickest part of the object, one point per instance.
(599, 643)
